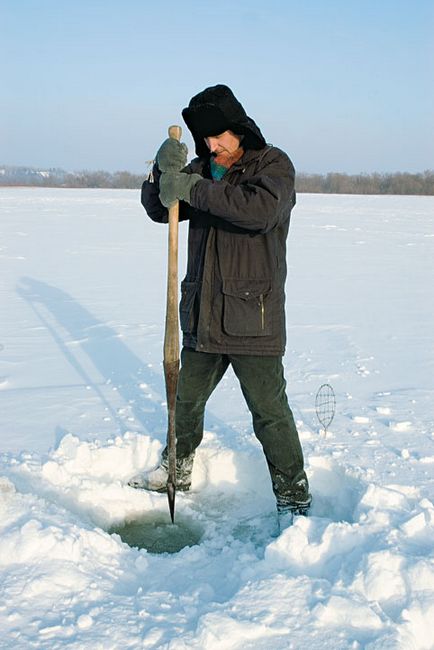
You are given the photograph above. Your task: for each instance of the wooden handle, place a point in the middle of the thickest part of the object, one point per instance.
(175, 132)
(171, 340)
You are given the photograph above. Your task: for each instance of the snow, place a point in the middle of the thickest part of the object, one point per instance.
(82, 403)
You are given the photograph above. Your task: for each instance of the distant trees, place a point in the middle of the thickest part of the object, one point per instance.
(88, 179)
(17, 176)
(118, 180)
(332, 183)
(397, 183)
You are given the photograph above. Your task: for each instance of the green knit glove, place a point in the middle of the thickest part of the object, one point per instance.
(177, 185)
(172, 156)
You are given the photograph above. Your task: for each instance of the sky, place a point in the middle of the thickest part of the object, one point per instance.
(340, 85)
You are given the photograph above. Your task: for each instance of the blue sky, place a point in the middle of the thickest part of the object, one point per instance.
(341, 85)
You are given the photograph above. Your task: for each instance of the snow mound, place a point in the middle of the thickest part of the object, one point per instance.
(349, 565)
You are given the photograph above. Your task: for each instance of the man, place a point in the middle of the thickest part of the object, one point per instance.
(238, 195)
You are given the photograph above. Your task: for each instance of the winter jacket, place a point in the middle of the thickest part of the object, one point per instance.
(232, 296)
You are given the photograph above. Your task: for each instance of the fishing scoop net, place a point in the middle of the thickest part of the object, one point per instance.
(325, 406)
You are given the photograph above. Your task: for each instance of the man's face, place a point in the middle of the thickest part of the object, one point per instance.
(225, 143)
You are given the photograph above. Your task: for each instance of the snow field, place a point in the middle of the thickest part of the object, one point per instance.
(356, 575)
(82, 409)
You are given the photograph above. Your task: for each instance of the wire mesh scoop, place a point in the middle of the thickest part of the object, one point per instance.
(325, 406)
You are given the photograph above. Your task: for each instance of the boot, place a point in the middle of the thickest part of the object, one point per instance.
(156, 479)
(291, 499)
(289, 506)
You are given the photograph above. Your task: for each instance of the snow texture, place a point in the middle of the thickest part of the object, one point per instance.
(82, 403)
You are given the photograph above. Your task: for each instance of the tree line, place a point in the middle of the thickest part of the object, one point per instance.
(332, 183)
(376, 183)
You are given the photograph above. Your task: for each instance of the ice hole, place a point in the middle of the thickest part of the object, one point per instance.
(155, 532)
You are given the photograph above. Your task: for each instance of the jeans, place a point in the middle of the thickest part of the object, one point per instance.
(263, 385)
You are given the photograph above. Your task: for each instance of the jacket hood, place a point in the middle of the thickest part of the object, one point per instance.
(215, 110)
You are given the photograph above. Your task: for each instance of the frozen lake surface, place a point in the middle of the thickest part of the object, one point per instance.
(82, 408)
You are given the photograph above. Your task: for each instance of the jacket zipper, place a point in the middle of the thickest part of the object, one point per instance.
(261, 303)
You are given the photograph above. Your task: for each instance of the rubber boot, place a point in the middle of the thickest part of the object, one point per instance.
(156, 479)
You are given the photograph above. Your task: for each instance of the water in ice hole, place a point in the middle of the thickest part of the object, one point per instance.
(155, 532)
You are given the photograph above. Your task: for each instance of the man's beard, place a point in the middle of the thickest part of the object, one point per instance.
(225, 153)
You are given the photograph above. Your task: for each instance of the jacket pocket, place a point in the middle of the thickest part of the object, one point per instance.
(187, 309)
(246, 307)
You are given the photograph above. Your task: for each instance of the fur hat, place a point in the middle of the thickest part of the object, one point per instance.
(215, 110)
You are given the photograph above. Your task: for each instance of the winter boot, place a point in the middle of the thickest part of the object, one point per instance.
(288, 507)
(291, 500)
(156, 480)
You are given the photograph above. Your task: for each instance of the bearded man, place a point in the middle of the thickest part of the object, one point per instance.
(237, 195)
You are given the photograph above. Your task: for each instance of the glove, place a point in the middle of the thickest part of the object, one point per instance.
(177, 185)
(172, 156)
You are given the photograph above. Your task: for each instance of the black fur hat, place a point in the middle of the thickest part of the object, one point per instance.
(215, 110)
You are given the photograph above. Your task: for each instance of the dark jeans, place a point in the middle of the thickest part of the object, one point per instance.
(263, 386)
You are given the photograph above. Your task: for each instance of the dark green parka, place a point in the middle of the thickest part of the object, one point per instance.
(232, 297)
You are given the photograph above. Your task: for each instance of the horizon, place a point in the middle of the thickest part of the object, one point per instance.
(300, 172)
(337, 85)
